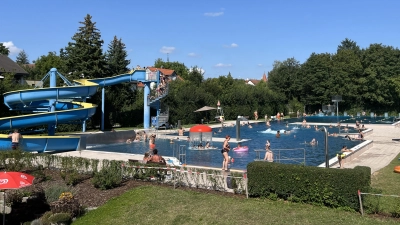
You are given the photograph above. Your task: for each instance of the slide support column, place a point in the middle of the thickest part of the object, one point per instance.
(51, 128)
(102, 108)
(146, 114)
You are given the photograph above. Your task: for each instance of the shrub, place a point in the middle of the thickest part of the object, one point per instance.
(315, 185)
(53, 192)
(66, 204)
(109, 176)
(61, 218)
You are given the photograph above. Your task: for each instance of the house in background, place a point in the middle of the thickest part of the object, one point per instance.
(254, 82)
(7, 65)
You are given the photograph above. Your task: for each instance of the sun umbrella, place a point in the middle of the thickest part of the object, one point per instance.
(205, 108)
(13, 180)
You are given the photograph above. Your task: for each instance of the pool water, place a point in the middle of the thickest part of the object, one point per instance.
(295, 139)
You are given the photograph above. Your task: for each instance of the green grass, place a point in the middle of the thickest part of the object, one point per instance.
(163, 205)
(388, 182)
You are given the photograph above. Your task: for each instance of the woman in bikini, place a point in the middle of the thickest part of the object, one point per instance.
(224, 151)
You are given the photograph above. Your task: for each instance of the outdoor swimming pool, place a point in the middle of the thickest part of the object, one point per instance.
(314, 155)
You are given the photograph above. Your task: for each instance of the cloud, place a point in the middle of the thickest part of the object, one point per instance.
(222, 65)
(192, 54)
(233, 45)
(166, 49)
(14, 50)
(214, 14)
(202, 71)
(259, 64)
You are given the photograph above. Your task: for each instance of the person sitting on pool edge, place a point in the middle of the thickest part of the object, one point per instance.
(156, 158)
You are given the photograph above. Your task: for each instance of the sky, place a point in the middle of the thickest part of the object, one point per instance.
(219, 36)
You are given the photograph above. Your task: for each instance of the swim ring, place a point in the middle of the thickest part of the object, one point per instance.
(397, 169)
(241, 149)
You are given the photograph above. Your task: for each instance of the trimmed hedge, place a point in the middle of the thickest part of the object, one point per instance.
(315, 185)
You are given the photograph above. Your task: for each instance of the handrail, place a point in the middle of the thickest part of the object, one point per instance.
(278, 157)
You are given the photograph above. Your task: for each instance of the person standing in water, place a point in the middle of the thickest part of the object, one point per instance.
(15, 139)
(225, 151)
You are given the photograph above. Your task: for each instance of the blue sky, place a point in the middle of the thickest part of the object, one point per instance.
(220, 36)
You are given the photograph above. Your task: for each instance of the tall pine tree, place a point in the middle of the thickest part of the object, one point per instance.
(119, 98)
(22, 58)
(116, 57)
(85, 58)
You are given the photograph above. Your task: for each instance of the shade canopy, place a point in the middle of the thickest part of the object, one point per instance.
(15, 180)
(200, 128)
(205, 108)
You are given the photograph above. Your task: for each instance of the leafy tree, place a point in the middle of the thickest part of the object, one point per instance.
(22, 58)
(4, 50)
(84, 56)
(346, 73)
(316, 81)
(45, 62)
(195, 76)
(178, 67)
(284, 78)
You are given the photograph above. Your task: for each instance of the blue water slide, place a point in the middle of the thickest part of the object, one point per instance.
(135, 76)
(37, 100)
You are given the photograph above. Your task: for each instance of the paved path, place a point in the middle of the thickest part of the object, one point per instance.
(384, 150)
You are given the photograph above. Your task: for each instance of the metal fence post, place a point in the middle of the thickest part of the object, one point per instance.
(360, 200)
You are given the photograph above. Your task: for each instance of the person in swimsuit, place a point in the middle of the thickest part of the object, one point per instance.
(269, 155)
(15, 139)
(224, 151)
(340, 155)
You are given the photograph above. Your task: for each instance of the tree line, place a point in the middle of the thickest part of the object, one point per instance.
(367, 79)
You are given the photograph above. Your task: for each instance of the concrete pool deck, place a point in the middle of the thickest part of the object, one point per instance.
(383, 151)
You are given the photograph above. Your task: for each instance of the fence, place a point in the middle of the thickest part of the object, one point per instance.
(374, 204)
(281, 155)
(190, 177)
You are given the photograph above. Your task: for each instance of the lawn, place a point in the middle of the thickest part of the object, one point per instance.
(164, 205)
(387, 182)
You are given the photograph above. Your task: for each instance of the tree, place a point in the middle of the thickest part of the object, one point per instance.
(316, 80)
(116, 57)
(45, 62)
(119, 97)
(22, 58)
(178, 67)
(348, 44)
(284, 78)
(84, 56)
(4, 50)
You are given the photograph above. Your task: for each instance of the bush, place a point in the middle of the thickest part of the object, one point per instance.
(61, 218)
(53, 192)
(109, 176)
(66, 203)
(315, 185)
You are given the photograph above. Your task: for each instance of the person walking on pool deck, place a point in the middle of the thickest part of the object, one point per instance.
(15, 139)
(224, 151)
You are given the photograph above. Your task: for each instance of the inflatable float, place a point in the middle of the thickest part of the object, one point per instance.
(241, 149)
(397, 169)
